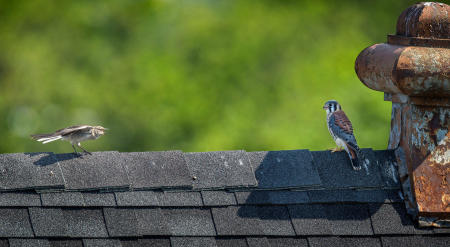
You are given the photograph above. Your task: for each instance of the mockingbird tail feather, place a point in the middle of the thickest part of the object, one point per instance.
(47, 140)
(40, 136)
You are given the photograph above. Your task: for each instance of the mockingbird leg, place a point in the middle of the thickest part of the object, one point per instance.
(79, 145)
(74, 149)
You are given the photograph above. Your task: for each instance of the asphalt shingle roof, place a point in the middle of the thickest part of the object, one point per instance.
(227, 198)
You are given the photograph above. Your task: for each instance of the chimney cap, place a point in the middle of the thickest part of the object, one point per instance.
(425, 20)
(414, 62)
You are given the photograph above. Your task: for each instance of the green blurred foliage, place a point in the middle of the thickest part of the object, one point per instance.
(189, 75)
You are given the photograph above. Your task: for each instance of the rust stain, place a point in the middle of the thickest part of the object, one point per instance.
(431, 185)
(423, 71)
(375, 63)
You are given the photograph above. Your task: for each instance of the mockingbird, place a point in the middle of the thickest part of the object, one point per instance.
(74, 134)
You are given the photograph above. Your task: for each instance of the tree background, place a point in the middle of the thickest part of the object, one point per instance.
(194, 75)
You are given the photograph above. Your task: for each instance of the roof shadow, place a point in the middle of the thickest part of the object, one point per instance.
(49, 158)
(323, 201)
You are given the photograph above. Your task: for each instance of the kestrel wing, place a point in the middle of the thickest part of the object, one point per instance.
(341, 120)
(342, 127)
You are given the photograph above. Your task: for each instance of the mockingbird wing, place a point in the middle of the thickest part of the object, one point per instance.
(72, 129)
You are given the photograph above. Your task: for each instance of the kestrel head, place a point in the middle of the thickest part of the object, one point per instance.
(331, 106)
(98, 131)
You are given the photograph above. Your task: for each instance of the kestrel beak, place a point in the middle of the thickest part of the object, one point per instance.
(325, 107)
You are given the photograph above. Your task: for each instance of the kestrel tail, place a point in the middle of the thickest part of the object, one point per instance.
(341, 130)
(73, 134)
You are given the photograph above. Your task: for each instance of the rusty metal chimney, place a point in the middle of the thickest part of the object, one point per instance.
(413, 70)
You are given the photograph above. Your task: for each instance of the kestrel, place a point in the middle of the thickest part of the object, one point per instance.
(341, 130)
(74, 134)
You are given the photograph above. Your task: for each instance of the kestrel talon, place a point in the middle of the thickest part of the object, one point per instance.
(341, 130)
(74, 134)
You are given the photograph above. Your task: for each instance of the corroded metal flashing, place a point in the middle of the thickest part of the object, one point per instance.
(431, 179)
(413, 69)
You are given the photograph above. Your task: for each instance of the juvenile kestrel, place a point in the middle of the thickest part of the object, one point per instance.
(341, 130)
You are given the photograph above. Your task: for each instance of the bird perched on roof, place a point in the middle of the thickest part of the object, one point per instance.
(341, 130)
(73, 134)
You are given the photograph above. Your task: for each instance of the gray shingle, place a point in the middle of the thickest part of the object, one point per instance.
(351, 195)
(101, 170)
(284, 169)
(437, 241)
(131, 243)
(416, 241)
(335, 219)
(193, 242)
(253, 220)
(330, 196)
(57, 222)
(158, 169)
(78, 199)
(336, 171)
(232, 220)
(348, 219)
(121, 222)
(137, 198)
(179, 199)
(221, 169)
(390, 219)
(189, 222)
(96, 199)
(387, 165)
(257, 242)
(15, 223)
(153, 242)
(231, 242)
(151, 221)
(4, 243)
(272, 197)
(22, 171)
(441, 230)
(62, 199)
(17, 242)
(310, 219)
(275, 221)
(393, 219)
(344, 241)
(19, 199)
(288, 242)
(218, 198)
(101, 243)
(66, 243)
(388, 195)
(85, 223)
(48, 222)
(156, 242)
